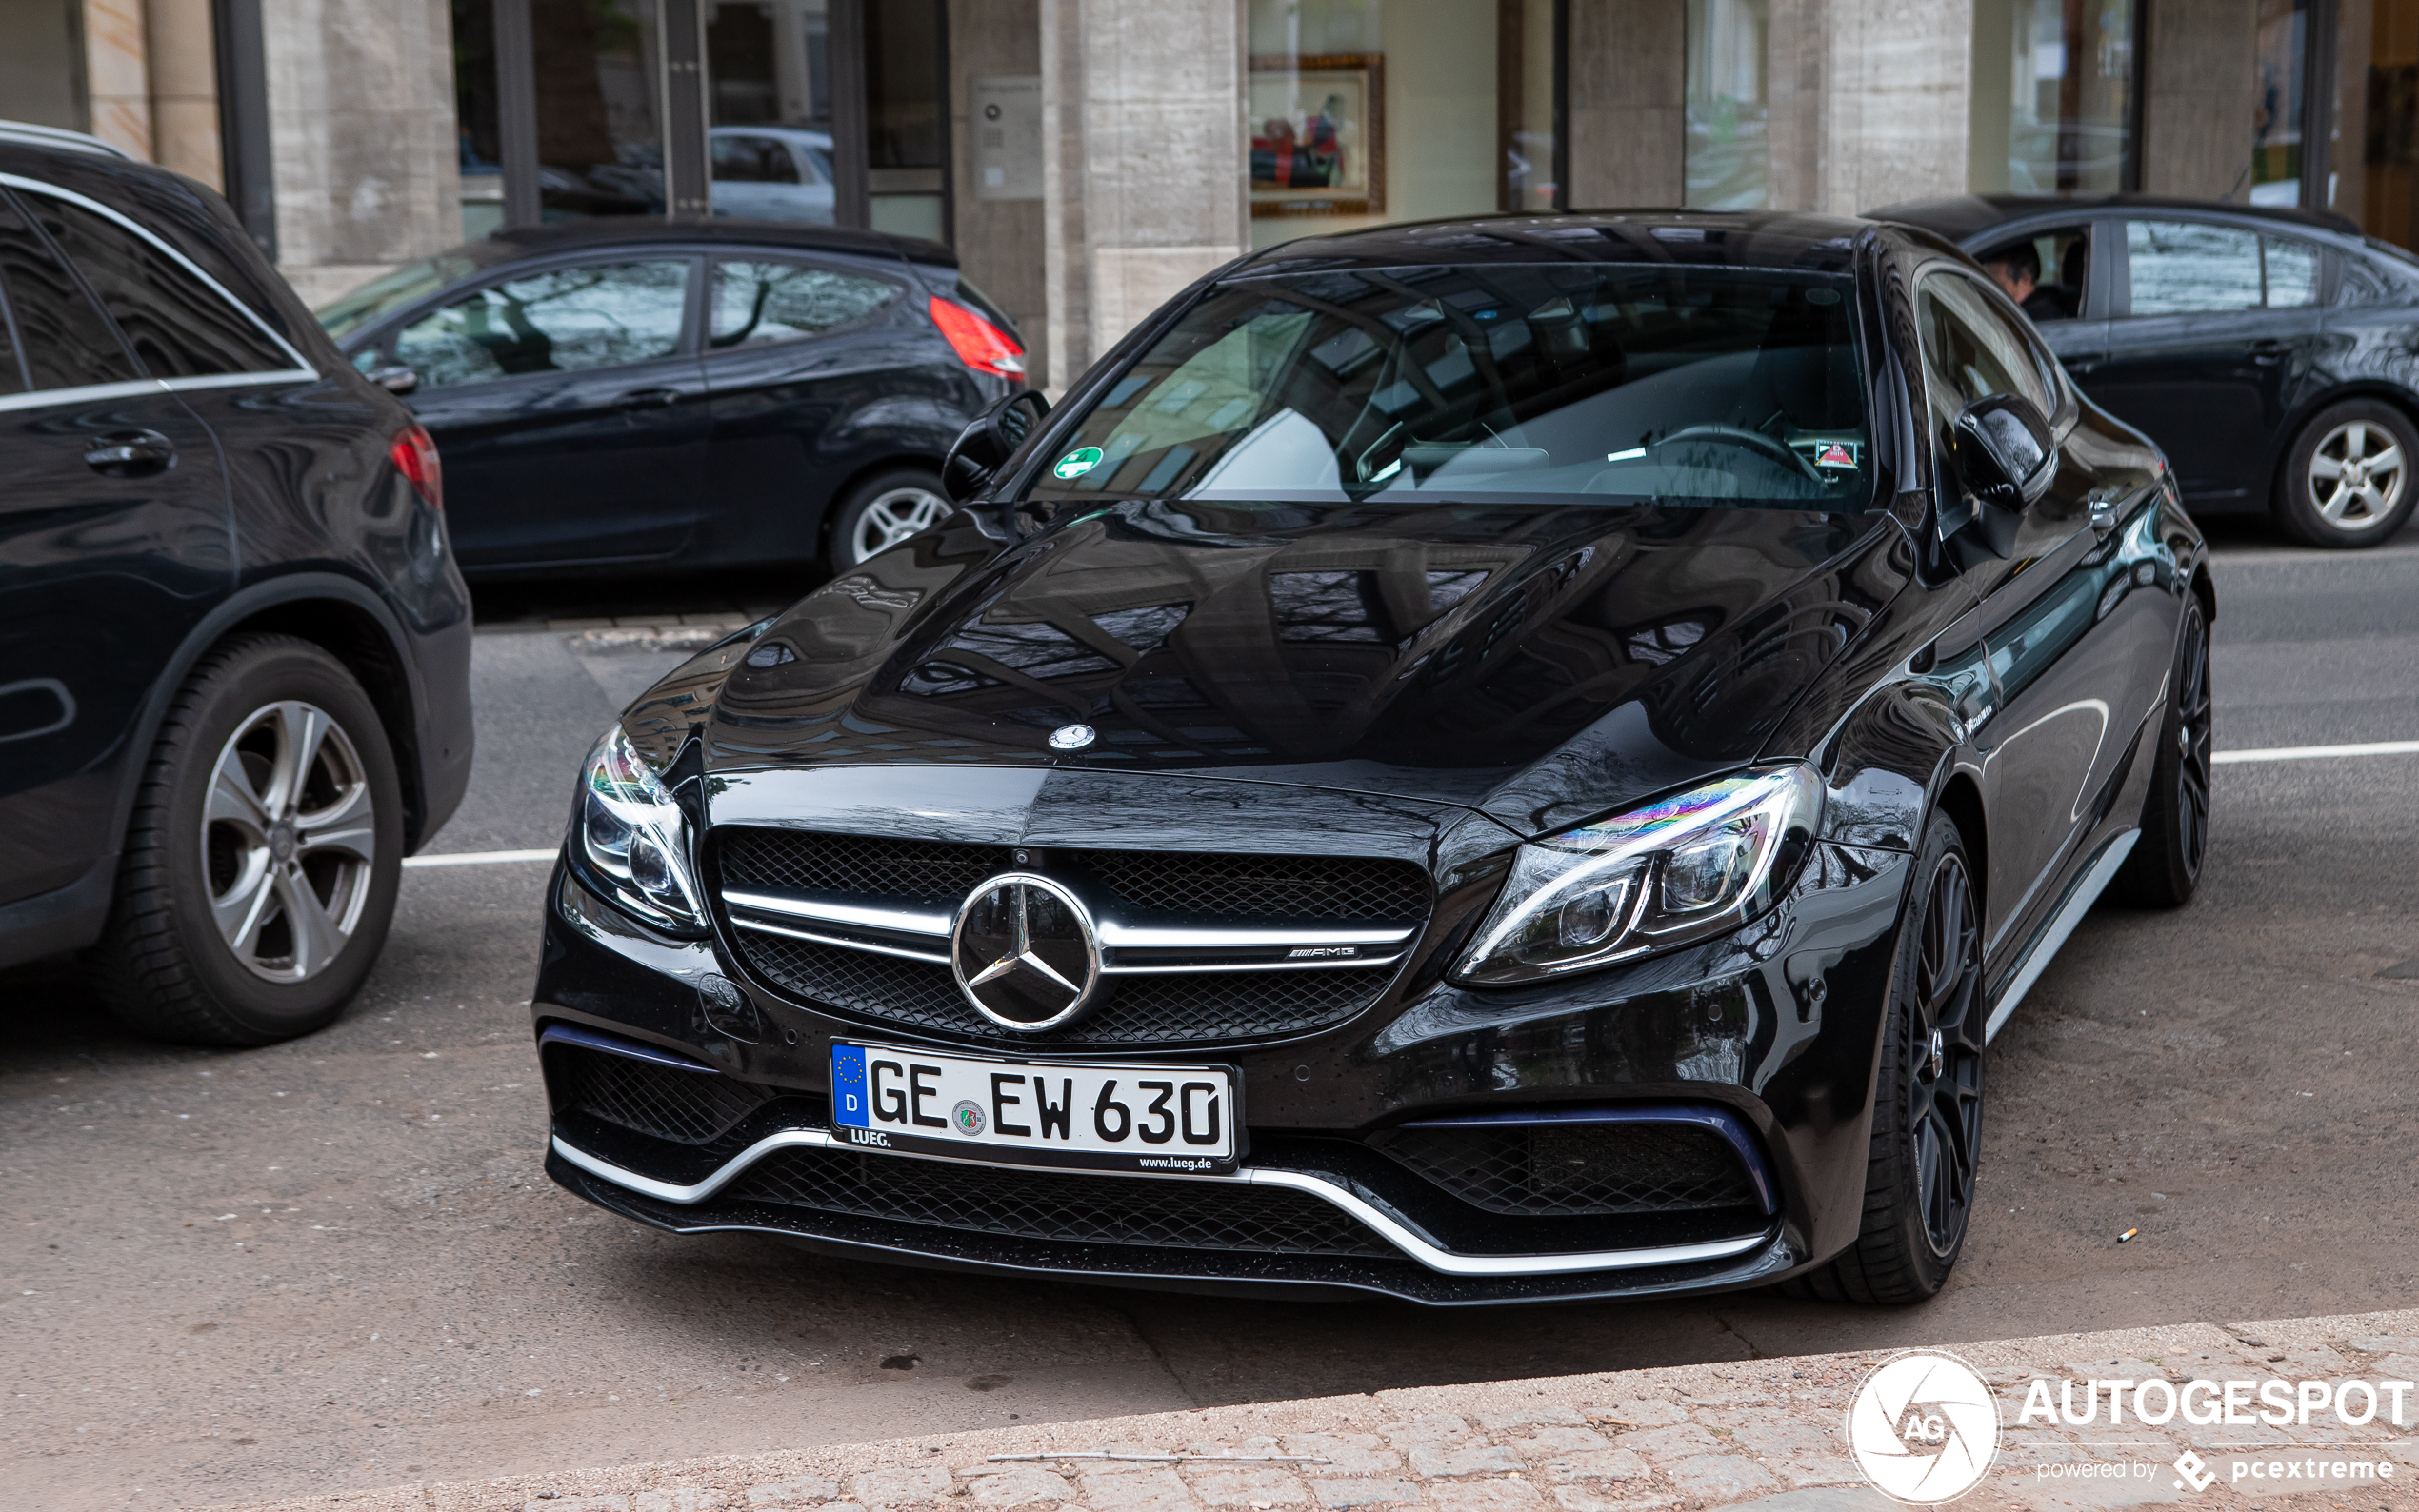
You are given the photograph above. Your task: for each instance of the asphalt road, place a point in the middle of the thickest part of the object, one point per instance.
(335, 1264)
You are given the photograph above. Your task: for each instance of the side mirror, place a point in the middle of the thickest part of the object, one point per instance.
(2006, 459)
(394, 378)
(988, 440)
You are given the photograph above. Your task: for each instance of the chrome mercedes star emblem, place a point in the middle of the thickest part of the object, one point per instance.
(1024, 954)
(1071, 737)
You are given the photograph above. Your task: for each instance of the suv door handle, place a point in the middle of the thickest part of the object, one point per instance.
(647, 398)
(130, 454)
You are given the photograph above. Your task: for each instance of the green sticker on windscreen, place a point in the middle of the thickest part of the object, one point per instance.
(1078, 462)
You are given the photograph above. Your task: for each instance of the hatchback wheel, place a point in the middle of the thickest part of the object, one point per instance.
(2349, 480)
(1927, 1141)
(260, 870)
(2165, 868)
(884, 511)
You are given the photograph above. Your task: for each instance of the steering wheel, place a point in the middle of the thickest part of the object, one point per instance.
(1746, 439)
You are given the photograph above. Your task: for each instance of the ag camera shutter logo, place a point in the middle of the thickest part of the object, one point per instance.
(1924, 1427)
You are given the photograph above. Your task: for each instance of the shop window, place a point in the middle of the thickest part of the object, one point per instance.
(2055, 88)
(2279, 104)
(906, 125)
(1363, 112)
(481, 148)
(1729, 41)
(600, 145)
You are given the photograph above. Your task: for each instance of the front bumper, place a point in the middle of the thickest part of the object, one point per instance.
(1772, 1036)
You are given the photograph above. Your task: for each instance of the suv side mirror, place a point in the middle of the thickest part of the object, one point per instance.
(988, 440)
(2006, 459)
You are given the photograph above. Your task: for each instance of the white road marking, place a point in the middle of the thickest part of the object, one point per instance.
(499, 858)
(2311, 753)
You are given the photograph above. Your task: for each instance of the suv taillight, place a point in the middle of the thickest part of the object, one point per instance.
(414, 454)
(978, 344)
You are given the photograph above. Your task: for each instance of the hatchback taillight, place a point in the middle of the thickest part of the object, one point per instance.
(978, 344)
(414, 454)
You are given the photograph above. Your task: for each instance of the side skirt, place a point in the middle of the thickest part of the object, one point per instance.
(2080, 898)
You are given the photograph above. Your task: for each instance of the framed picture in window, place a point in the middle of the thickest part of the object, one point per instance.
(1318, 134)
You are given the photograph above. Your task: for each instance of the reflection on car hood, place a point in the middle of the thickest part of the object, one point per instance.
(1541, 663)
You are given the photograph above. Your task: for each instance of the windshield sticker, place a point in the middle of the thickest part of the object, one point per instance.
(1078, 462)
(1837, 454)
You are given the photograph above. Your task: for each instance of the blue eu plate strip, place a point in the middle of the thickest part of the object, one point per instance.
(848, 1108)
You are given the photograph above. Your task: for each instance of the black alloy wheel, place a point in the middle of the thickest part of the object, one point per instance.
(2165, 868)
(1927, 1138)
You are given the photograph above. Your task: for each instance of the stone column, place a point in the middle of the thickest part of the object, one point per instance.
(2200, 87)
(1142, 172)
(362, 135)
(184, 71)
(117, 74)
(1871, 102)
(1627, 84)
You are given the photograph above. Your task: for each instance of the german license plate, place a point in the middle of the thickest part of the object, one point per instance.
(1087, 1117)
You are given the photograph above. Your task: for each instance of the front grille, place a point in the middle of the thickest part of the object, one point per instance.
(690, 1107)
(1057, 1205)
(1140, 1010)
(1206, 890)
(1577, 1169)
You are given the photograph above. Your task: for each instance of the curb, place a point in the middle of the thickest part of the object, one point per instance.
(1763, 1434)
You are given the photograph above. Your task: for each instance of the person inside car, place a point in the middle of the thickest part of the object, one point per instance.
(2018, 271)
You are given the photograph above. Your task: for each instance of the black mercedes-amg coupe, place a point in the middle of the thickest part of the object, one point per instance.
(1487, 760)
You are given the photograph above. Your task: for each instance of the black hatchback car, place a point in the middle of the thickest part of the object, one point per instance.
(2269, 352)
(235, 652)
(1491, 760)
(616, 396)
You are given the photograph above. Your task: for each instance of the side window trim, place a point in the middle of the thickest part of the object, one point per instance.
(302, 368)
(132, 389)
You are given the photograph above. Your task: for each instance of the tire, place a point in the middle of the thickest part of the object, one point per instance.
(882, 511)
(214, 837)
(2165, 868)
(1919, 1182)
(2319, 502)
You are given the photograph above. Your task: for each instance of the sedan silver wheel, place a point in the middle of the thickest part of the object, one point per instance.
(288, 837)
(893, 516)
(2357, 476)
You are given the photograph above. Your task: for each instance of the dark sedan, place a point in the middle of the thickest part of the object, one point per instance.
(1484, 761)
(614, 396)
(2273, 354)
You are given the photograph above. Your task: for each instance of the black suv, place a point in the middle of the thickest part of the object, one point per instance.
(234, 650)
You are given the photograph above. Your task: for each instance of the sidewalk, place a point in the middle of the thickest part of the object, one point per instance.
(1760, 1434)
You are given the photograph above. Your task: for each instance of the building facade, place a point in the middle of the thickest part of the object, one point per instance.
(1087, 158)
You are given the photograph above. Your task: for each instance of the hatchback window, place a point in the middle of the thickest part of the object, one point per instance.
(65, 341)
(760, 301)
(752, 160)
(407, 285)
(561, 320)
(2293, 272)
(2183, 268)
(178, 325)
(1607, 385)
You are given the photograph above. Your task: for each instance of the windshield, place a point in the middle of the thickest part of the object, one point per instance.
(1606, 384)
(341, 317)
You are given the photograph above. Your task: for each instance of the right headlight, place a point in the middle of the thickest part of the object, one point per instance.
(1680, 870)
(634, 838)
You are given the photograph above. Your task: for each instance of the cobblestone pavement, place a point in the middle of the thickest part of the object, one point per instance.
(1764, 1433)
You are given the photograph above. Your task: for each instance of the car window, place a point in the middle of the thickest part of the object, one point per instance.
(2183, 268)
(766, 301)
(2044, 271)
(178, 325)
(1972, 351)
(560, 320)
(407, 285)
(2293, 272)
(65, 341)
(753, 160)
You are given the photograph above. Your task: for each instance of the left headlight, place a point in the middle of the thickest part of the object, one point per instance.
(1667, 874)
(634, 838)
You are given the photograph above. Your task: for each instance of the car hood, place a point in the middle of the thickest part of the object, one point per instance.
(1542, 663)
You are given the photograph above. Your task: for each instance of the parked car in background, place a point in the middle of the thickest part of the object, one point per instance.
(235, 652)
(621, 395)
(773, 173)
(2273, 354)
(1484, 761)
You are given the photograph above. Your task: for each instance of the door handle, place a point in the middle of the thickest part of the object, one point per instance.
(2269, 350)
(130, 454)
(649, 399)
(2104, 514)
